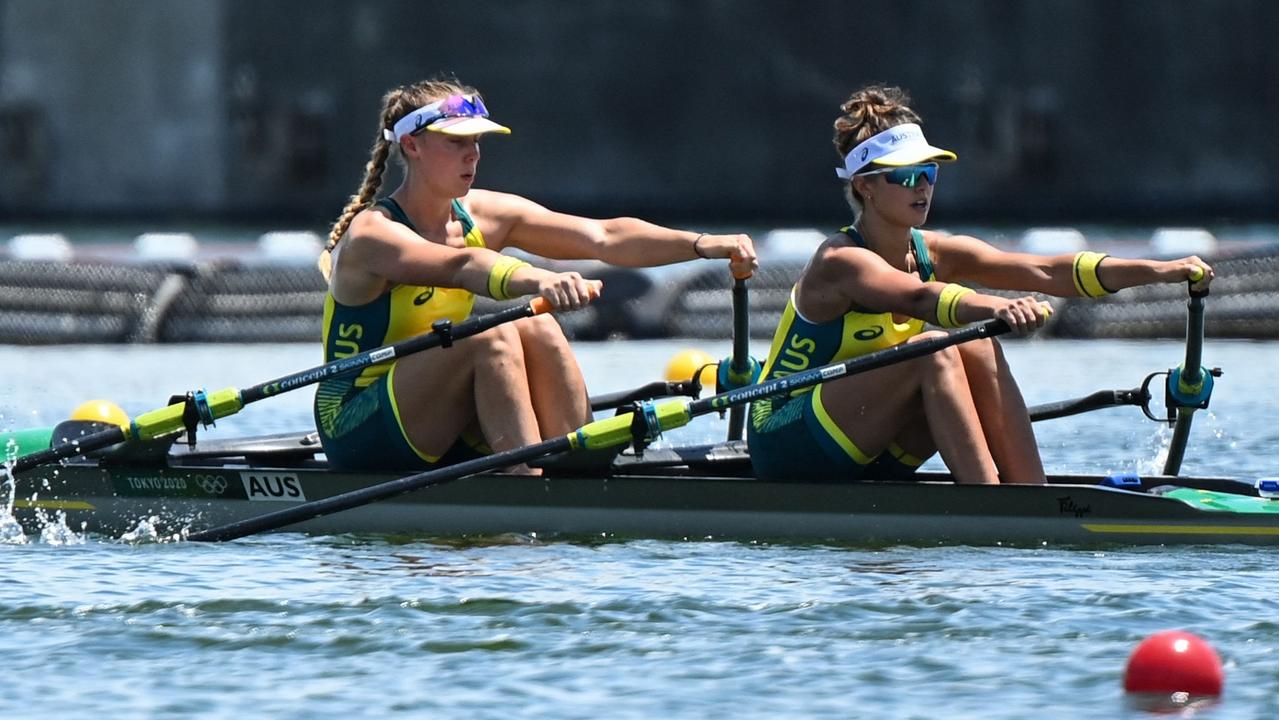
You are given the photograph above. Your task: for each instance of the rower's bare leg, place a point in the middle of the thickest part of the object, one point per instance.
(953, 419)
(555, 380)
(1005, 420)
(482, 378)
(875, 407)
(916, 437)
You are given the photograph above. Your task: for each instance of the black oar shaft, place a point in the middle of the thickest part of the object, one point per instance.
(1180, 438)
(1192, 373)
(655, 389)
(64, 451)
(1087, 403)
(1193, 367)
(740, 363)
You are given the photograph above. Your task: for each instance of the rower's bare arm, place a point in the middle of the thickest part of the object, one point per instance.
(962, 258)
(1119, 273)
(846, 276)
(625, 241)
(842, 277)
(388, 250)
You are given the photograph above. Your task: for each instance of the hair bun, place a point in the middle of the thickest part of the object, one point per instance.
(870, 110)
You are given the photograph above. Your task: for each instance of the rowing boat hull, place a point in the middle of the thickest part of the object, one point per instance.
(113, 500)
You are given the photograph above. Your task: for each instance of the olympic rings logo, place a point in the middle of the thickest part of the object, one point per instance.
(211, 484)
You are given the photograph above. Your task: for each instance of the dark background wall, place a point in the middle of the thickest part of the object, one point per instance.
(674, 109)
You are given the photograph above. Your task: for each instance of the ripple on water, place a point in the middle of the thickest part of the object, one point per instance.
(639, 628)
(518, 625)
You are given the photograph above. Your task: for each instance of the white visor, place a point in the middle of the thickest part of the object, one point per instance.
(897, 146)
(453, 115)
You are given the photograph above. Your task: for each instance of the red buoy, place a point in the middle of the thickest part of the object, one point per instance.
(1172, 662)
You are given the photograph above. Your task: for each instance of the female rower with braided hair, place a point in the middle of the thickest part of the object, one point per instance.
(874, 284)
(398, 263)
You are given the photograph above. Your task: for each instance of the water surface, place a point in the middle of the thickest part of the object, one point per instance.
(290, 625)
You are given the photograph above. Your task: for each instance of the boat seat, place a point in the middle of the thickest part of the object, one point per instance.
(723, 459)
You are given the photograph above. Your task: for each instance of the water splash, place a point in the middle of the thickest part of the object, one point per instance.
(1156, 454)
(148, 531)
(1209, 438)
(143, 532)
(11, 532)
(1219, 433)
(55, 531)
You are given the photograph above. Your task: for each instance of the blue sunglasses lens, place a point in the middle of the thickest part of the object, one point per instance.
(909, 176)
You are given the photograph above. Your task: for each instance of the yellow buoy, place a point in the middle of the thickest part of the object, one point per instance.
(103, 411)
(686, 363)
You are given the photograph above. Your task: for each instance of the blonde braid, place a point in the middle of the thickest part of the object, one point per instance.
(373, 173)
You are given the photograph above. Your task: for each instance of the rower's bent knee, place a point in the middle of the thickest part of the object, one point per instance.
(983, 348)
(944, 360)
(499, 342)
(541, 329)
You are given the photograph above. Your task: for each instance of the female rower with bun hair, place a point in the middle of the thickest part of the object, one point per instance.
(398, 263)
(874, 284)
